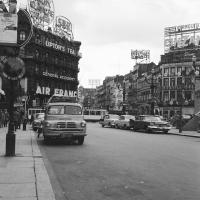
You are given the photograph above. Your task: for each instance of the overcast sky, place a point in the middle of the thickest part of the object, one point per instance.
(109, 29)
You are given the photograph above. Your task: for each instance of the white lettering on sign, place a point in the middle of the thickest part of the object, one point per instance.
(47, 91)
(55, 46)
(58, 76)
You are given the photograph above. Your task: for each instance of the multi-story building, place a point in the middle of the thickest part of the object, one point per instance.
(51, 64)
(178, 82)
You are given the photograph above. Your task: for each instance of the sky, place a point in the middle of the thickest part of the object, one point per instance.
(109, 29)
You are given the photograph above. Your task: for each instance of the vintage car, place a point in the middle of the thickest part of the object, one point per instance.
(124, 121)
(37, 122)
(109, 120)
(64, 120)
(150, 123)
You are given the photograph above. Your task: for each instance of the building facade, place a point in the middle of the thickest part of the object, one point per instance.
(51, 64)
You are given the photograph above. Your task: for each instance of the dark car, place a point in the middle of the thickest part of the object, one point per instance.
(37, 122)
(150, 123)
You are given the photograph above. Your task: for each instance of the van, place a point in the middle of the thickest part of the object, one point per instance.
(64, 120)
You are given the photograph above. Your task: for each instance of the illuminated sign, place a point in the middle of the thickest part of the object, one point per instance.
(140, 54)
(8, 28)
(58, 76)
(182, 37)
(41, 11)
(63, 27)
(47, 91)
(60, 47)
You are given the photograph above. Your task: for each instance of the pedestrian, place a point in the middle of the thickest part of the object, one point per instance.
(25, 120)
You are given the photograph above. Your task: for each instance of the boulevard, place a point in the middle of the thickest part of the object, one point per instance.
(122, 164)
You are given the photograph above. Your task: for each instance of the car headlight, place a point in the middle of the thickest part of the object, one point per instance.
(152, 124)
(83, 124)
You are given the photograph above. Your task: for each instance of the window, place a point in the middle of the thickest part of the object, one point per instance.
(179, 81)
(67, 110)
(172, 82)
(179, 70)
(172, 95)
(172, 71)
(166, 96)
(166, 82)
(166, 71)
(22, 36)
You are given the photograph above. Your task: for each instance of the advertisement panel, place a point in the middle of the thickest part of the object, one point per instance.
(63, 27)
(41, 11)
(140, 54)
(178, 38)
(8, 28)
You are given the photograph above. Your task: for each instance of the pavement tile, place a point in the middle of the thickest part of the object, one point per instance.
(17, 190)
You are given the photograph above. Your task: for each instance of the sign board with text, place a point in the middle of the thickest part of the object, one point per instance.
(8, 28)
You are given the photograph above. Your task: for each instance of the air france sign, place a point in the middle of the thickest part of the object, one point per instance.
(56, 91)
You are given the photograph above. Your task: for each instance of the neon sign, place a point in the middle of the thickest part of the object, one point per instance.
(41, 11)
(63, 27)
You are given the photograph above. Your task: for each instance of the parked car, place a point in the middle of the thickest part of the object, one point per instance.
(150, 123)
(37, 122)
(109, 120)
(124, 121)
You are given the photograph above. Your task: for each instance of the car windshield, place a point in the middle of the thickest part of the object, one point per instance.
(152, 119)
(64, 110)
(40, 116)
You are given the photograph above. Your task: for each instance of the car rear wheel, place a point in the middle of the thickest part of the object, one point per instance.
(35, 129)
(165, 132)
(80, 140)
(102, 125)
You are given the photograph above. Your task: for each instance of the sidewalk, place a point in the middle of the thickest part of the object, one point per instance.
(23, 176)
(175, 131)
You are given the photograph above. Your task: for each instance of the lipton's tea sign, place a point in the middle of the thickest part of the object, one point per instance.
(41, 11)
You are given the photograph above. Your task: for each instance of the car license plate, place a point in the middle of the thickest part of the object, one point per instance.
(65, 136)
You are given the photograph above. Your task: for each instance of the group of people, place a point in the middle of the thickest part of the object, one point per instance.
(19, 118)
(4, 118)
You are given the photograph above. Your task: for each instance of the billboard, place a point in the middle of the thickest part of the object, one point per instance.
(140, 54)
(63, 27)
(8, 28)
(42, 12)
(178, 38)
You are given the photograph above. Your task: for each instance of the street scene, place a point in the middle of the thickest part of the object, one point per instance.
(99, 100)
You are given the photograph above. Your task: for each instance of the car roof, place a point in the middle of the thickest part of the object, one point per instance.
(64, 103)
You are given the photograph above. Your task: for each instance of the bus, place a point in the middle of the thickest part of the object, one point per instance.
(33, 111)
(94, 115)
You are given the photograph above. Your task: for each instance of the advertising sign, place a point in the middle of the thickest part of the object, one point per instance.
(178, 38)
(41, 11)
(63, 27)
(8, 28)
(12, 68)
(140, 54)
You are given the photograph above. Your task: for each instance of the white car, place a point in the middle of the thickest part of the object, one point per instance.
(124, 121)
(109, 120)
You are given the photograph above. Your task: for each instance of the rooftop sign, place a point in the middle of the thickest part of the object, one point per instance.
(177, 38)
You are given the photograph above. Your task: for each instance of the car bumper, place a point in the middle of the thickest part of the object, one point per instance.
(159, 129)
(64, 132)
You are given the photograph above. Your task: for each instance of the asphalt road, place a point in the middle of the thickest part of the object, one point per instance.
(117, 164)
